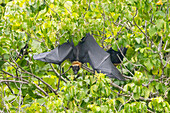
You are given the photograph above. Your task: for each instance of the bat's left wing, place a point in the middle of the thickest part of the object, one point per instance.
(57, 55)
(90, 51)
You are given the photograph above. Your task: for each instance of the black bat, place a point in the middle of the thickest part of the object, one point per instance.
(114, 55)
(87, 50)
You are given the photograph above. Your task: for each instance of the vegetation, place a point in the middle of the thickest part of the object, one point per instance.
(29, 27)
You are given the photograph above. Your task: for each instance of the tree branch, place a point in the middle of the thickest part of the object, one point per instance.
(57, 74)
(14, 81)
(26, 82)
(53, 10)
(137, 25)
(24, 71)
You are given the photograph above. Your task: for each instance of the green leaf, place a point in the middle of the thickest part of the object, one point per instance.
(167, 50)
(104, 108)
(147, 93)
(160, 14)
(6, 56)
(121, 100)
(50, 80)
(159, 23)
(127, 87)
(138, 40)
(136, 95)
(86, 99)
(1, 63)
(135, 89)
(152, 31)
(150, 105)
(2, 51)
(97, 108)
(148, 64)
(9, 98)
(159, 99)
(41, 101)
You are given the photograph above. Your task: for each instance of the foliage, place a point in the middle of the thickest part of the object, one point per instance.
(29, 27)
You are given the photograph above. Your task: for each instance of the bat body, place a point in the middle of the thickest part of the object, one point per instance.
(87, 50)
(114, 55)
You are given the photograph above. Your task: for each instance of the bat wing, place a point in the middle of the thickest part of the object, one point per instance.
(99, 59)
(57, 55)
(113, 54)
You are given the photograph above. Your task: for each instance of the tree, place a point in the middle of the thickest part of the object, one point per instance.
(29, 27)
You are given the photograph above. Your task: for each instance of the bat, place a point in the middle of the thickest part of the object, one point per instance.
(114, 55)
(87, 51)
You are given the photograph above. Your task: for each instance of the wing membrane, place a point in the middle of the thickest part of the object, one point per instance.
(57, 55)
(97, 57)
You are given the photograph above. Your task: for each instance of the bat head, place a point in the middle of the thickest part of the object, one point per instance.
(76, 65)
(75, 69)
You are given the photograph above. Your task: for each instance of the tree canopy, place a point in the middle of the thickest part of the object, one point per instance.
(29, 27)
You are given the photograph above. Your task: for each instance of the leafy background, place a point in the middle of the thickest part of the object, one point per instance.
(29, 27)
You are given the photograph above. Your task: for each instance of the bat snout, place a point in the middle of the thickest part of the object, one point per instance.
(75, 72)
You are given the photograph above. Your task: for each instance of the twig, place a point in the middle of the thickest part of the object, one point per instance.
(125, 66)
(118, 46)
(117, 86)
(63, 73)
(89, 5)
(131, 95)
(125, 103)
(40, 80)
(87, 69)
(57, 73)
(166, 44)
(26, 81)
(53, 10)
(5, 107)
(24, 71)
(104, 19)
(36, 15)
(68, 10)
(152, 20)
(7, 83)
(146, 32)
(21, 78)
(119, 31)
(118, 24)
(127, 77)
(59, 79)
(14, 81)
(137, 25)
(39, 88)
(150, 111)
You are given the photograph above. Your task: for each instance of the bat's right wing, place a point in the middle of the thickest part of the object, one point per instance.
(98, 58)
(113, 54)
(57, 55)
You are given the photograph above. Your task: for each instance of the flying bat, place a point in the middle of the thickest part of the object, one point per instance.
(114, 55)
(87, 51)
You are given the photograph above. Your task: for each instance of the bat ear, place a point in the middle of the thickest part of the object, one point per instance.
(87, 34)
(110, 49)
(121, 47)
(71, 42)
(124, 50)
(83, 39)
